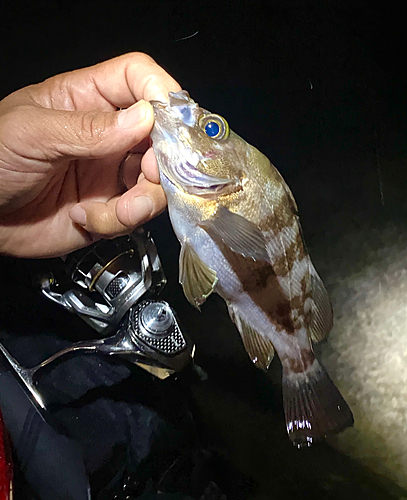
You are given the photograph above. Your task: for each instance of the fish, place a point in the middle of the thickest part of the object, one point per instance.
(238, 226)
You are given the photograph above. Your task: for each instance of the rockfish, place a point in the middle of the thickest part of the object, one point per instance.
(237, 222)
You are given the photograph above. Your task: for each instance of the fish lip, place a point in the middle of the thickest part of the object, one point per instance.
(196, 190)
(174, 99)
(170, 109)
(161, 113)
(181, 97)
(158, 104)
(159, 108)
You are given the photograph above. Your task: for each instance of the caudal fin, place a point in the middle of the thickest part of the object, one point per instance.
(313, 405)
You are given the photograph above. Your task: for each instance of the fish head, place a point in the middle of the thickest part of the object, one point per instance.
(195, 149)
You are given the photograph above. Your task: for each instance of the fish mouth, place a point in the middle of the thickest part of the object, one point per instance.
(161, 114)
(215, 190)
(210, 192)
(185, 176)
(158, 104)
(159, 109)
(171, 132)
(180, 109)
(164, 118)
(180, 98)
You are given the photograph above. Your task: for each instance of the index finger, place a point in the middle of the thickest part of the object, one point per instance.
(126, 79)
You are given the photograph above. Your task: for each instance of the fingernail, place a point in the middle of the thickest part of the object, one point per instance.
(78, 215)
(132, 116)
(139, 209)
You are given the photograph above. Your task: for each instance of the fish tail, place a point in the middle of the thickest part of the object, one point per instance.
(313, 405)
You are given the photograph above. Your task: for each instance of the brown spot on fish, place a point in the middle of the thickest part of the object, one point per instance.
(270, 222)
(293, 252)
(304, 286)
(297, 302)
(260, 282)
(300, 364)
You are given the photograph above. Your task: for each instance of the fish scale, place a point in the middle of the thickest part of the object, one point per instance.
(237, 223)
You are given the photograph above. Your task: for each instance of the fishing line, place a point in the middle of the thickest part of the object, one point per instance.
(186, 37)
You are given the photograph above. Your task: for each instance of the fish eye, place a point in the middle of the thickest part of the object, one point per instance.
(214, 126)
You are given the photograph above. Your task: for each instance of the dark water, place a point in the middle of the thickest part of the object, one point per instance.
(317, 86)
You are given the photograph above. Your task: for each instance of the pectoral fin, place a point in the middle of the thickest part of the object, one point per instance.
(238, 233)
(259, 349)
(197, 279)
(321, 315)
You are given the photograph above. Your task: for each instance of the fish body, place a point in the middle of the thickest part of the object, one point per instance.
(238, 226)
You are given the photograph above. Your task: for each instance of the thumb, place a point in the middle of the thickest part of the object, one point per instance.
(54, 134)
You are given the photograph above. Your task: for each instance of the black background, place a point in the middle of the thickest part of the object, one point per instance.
(319, 87)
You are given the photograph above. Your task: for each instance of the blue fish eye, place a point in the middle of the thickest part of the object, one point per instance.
(212, 129)
(214, 126)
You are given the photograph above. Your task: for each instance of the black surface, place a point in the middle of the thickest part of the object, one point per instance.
(319, 87)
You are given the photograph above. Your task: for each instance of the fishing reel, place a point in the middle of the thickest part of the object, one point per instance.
(113, 286)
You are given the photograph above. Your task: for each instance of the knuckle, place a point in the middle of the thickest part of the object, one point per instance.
(92, 128)
(141, 58)
(153, 81)
(16, 126)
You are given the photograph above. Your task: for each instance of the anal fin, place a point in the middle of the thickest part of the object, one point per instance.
(197, 279)
(259, 349)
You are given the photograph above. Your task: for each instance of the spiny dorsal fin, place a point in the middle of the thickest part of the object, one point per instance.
(197, 279)
(321, 312)
(259, 349)
(238, 233)
(291, 199)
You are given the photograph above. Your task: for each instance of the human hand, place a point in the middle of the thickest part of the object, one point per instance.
(63, 180)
